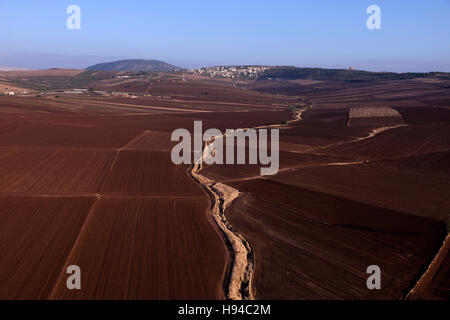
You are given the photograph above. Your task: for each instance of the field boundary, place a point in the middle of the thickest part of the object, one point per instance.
(430, 273)
(239, 282)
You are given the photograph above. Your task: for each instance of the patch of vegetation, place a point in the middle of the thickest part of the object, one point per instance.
(304, 105)
(353, 76)
(245, 287)
(42, 83)
(134, 65)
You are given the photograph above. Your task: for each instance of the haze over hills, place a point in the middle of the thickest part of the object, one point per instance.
(134, 65)
(279, 79)
(344, 178)
(7, 69)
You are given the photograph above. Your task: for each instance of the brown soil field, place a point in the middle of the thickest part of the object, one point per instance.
(148, 249)
(214, 91)
(439, 287)
(236, 120)
(134, 106)
(132, 86)
(7, 126)
(148, 173)
(433, 162)
(50, 171)
(47, 135)
(149, 234)
(434, 284)
(382, 117)
(393, 204)
(409, 93)
(310, 245)
(141, 228)
(318, 135)
(288, 161)
(114, 106)
(59, 148)
(151, 140)
(442, 102)
(398, 142)
(322, 127)
(40, 73)
(424, 115)
(5, 87)
(373, 113)
(201, 102)
(36, 237)
(412, 193)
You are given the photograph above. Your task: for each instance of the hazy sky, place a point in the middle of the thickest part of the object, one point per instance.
(415, 34)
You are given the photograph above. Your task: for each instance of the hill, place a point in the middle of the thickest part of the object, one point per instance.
(294, 73)
(134, 65)
(54, 79)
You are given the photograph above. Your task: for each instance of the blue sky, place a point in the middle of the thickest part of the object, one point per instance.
(415, 35)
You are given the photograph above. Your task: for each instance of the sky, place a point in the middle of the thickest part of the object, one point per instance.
(414, 34)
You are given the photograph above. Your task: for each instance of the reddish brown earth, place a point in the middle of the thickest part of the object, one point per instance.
(406, 190)
(148, 173)
(346, 198)
(434, 284)
(40, 73)
(424, 115)
(89, 181)
(433, 162)
(49, 135)
(288, 161)
(53, 171)
(396, 143)
(37, 235)
(148, 249)
(310, 245)
(322, 127)
(375, 116)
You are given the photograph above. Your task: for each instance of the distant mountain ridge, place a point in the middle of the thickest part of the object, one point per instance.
(346, 75)
(134, 65)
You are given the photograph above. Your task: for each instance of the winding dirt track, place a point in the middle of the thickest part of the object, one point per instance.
(243, 275)
(239, 282)
(241, 268)
(433, 281)
(96, 147)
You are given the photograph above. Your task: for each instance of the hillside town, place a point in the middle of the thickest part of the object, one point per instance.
(232, 72)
